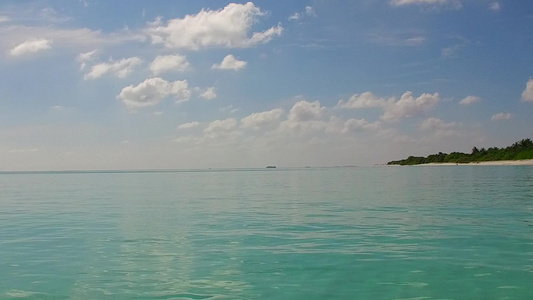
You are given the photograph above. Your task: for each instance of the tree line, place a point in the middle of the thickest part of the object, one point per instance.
(520, 150)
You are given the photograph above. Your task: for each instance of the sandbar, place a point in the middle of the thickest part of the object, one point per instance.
(521, 162)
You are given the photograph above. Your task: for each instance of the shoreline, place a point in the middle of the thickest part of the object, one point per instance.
(521, 162)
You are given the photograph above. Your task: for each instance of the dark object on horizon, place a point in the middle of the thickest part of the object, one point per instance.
(271, 167)
(520, 150)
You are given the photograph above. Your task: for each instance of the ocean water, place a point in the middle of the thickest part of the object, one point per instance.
(457, 232)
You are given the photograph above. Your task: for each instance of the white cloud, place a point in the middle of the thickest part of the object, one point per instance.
(451, 51)
(295, 17)
(31, 46)
(221, 125)
(309, 11)
(152, 91)
(265, 36)
(305, 119)
(469, 100)
(435, 129)
(208, 93)
(189, 125)
(230, 63)
(397, 39)
(165, 63)
(61, 38)
(360, 125)
(230, 108)
(501, 117)
(495, 6)
(306, 111)
(262, 119)
(83, 58)
(4, 19)
(409, 106)
(221, 128)
(527, 95)
(50, 15)
(436, 124)
(364, 100)
(229, 27)
(121, 68)
(452, 3)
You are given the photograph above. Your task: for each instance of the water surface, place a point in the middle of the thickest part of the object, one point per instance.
(458, 232)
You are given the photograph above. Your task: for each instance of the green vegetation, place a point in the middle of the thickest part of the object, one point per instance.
(520, 150)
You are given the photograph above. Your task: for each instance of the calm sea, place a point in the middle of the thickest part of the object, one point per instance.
(457, 232)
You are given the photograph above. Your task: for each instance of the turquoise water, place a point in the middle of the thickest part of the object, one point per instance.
(458, 232)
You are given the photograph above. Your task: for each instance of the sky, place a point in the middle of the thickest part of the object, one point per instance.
(160, 84)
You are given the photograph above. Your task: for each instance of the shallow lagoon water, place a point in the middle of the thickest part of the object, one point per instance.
(457, 232)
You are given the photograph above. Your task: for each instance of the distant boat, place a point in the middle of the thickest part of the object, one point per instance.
(271, 167)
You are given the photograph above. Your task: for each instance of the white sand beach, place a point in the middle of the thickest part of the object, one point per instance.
(523, 162)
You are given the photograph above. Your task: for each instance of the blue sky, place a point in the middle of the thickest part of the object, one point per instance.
(96, 84)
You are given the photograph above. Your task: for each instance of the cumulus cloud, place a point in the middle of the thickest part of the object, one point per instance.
(121, 68)
(452, 3)
(409, 106)
(31, 46)
(469, 100)
(364, 100)
(501, 116)
(306, 111)
(83, 58)
(152, 91)
(208, 93)
(393, 110)
(229, 27)
(527, 95)
(262, 119)
(230, 63)
(219, 128)
(305, 119)
(165, 63)
(188, 125)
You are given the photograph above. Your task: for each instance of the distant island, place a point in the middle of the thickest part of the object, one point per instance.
(520, 150)
(271, 167)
